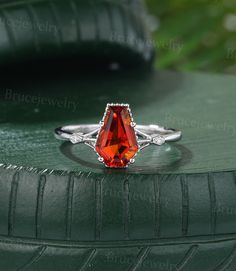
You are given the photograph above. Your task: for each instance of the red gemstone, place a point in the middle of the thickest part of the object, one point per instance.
(117, 143)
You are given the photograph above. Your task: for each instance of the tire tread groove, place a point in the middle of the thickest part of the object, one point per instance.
(75, 12)
(98, 207)
(185, 205)
(69, 210)
(12, 203)
(187, 257)
(88, 260)
(33, 17)
(39, 253)
(156, 184)
(10, 33)
(227, 261)
(142, 255)
(126, 208)
(212, 194)
(39, 206)
(54, 11)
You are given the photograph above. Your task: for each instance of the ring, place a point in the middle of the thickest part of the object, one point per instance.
(117, 139)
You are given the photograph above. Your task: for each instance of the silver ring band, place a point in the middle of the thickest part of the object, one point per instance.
(117, 138)
(147, 134)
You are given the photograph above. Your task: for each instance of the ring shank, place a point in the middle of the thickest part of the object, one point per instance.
(169, 134)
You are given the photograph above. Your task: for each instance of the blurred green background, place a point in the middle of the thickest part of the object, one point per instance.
(195, 34)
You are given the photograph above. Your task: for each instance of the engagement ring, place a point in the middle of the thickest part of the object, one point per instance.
(117, 139)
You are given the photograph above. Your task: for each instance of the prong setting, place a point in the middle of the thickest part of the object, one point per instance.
(100, 159)
(132, 161)
(145, 135)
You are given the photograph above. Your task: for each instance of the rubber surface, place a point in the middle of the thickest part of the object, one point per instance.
(99, 30)
(173, 210)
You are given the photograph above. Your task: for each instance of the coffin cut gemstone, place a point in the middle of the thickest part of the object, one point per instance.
(117, 143)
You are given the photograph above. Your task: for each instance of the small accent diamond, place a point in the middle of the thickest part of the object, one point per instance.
(158, 140)
(76, 138)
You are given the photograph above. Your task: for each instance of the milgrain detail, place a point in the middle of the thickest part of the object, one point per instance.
(34, 20)
(38, 254)
(225, 264)
(185, 204)
(142, 255)
(12, 203)
(187, 258)
(39, 206)
(88, 261)
(70, 193)
(98, 208)
(212, 194)
(126, 208)
(76, 15)
(157, 208)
